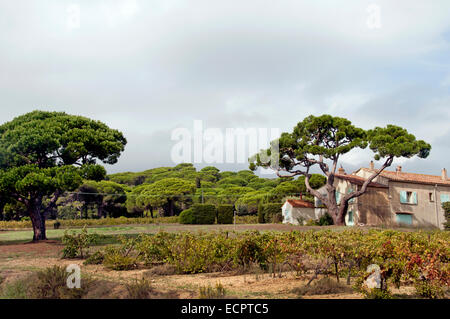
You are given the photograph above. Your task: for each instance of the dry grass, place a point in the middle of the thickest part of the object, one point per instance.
(161, 270)
(323, 286)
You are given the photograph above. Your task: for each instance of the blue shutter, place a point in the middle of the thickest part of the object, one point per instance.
(338, 197)
(350, 219)
(405, 219)
(286, 214)
(414, 194)
(445, 198)
(403, 198)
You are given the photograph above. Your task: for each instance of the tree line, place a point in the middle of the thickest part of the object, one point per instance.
(167, 191)
(49, 164)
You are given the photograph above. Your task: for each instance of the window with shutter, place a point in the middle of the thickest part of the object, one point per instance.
(350, 221)
(414, 198)
(403, 198)
(408, 197)
(405, 219)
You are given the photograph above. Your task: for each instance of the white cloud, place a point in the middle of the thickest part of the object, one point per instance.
(148, 66)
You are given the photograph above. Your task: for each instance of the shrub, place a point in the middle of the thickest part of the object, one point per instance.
(154, 248)
(249, 249)
(428, 289)
(121, 257)
(225, 214)
(261, 214)
(371, 293)
(201, 214)
(114, 259)
(272, 212)
(209, 292)
(325, 220)
(446, 207)
(249, 219)
(376, 293)
(187, 216)
(95, 259)
(117, 258)
(191, 254)
(51, 283)
(75, 244)
(15, 290)
(139, 289)
(241, 210)
(312, 222)
(323, 286)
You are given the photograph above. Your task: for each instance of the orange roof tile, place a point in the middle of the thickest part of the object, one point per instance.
(357, 180)
(415, 178)
(300, 203)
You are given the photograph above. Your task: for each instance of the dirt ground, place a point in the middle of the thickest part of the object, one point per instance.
(19, 260)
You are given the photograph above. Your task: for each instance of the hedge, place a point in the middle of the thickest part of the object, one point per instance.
(187, 217)
(225, 214)
(261, 214)
(272, 212)
(200, 214)
(204, 213)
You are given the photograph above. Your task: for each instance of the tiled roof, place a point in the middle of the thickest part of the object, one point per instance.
(357, 180)
(415, 178)
(300, 203)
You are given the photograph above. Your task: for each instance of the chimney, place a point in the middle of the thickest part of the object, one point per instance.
(399, 169)
(341, 171)
(372, 166)
(444, 174)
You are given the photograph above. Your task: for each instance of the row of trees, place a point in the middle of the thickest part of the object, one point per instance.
(48, 162)
(169, 190)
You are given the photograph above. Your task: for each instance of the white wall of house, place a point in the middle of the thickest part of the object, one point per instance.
(292, 215)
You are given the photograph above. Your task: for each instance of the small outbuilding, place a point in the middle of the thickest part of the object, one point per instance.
(297, 211)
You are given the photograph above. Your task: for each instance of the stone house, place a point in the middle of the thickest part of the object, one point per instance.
(395, 197)
(297, 211)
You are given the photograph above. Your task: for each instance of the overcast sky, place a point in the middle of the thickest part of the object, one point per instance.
(147, 67)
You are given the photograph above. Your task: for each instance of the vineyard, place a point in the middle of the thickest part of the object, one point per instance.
(23, 224)
(419, 259)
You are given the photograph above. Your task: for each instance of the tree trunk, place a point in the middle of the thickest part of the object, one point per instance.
(171, 212)
(85, 208)
(100, 210)
(37, 219)
(2, 206)
(341, 213)
(332, 206)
